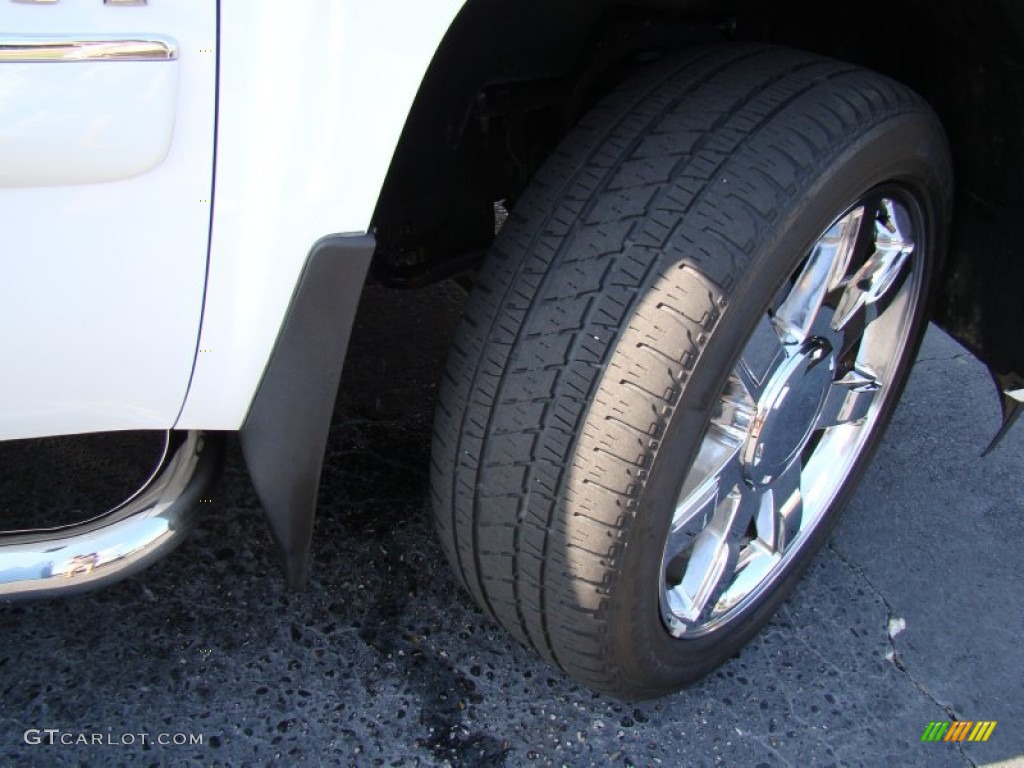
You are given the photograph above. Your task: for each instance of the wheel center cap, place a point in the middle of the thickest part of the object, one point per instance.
(787, 410)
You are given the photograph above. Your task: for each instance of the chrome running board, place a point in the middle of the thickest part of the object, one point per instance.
(121, 542)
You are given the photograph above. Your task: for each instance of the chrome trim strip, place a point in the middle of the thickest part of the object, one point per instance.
(40, 48)
(108, 548)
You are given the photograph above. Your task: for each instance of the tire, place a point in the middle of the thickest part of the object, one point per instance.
(603, 375)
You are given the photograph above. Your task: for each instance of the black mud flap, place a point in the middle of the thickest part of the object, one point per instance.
(1011, 392)
(285, 433)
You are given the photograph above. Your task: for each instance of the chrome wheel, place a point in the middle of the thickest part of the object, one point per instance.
(796, 413)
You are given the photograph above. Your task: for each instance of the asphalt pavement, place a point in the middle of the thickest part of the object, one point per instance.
(912, 614)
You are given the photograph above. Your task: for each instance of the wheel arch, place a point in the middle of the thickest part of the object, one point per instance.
(502, 89)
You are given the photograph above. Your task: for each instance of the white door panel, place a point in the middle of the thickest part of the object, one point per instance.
(105, 179)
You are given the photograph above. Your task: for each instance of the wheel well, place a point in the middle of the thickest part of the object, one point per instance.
(966, 59)
(505, 86)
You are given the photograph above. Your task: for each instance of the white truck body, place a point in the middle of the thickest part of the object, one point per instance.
(130, 313)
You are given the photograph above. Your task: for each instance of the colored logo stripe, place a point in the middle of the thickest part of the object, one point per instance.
(958, 730)
(982, 731)
(935, 731)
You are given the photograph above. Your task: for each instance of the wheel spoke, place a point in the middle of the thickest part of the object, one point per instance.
(702, 483)
(878, 274)
(749, 379)
(690, 519)
(781, 513)
(824, 270)
(848, 400)
(852, 336)
(763, 353)
(711, 566)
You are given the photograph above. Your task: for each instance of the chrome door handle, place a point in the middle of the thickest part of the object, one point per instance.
(39, 48)
(105, 2)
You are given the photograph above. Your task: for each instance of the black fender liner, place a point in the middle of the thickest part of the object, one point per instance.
(285, 432)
